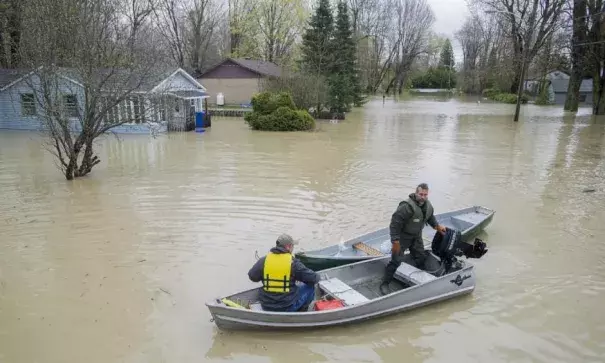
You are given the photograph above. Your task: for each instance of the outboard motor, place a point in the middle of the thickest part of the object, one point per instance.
(450, 246)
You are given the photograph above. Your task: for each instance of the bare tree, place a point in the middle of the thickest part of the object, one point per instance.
(240, 21)
(280, 23)
(414, 19)
(170, 17)
(529, 23)
(470, 38)
(137, 12)
(371, 22)
(83, 90)
(203, 23)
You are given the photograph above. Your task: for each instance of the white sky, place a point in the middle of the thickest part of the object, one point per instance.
(449, 17)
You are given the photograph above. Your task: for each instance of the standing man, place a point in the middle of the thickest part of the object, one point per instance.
(279, 271)
(406, 228)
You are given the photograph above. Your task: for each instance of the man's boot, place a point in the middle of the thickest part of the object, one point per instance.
(385, 289)
(388, 277)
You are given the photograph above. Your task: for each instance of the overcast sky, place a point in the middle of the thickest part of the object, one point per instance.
(449, 17)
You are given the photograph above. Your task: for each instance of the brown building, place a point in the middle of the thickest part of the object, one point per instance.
(237, 79)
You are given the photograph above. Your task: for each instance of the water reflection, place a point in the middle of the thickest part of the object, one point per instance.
(116, 266)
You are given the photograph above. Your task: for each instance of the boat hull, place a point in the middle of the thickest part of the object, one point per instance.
(330, 257)
(446, 287)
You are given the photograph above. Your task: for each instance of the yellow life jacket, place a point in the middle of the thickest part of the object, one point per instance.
(276, 272)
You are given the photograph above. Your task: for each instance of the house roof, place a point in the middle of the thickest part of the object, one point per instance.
(10, 76)
(553, 73)
(190, 94)
(261, 67)
(138, 82)
(560, 85)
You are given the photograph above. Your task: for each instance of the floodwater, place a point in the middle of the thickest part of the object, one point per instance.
(116, 267)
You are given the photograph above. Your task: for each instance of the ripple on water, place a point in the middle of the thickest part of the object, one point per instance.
(186, 213)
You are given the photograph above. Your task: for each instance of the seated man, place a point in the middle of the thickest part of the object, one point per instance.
(279, 270)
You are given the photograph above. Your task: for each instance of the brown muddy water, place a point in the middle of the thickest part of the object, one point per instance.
(116, 267)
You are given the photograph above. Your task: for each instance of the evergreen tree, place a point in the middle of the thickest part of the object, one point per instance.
(345, 87)
(316, 44)
(447, 55)
(446, 63)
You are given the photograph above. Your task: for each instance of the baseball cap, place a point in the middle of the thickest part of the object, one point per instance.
(285, 239)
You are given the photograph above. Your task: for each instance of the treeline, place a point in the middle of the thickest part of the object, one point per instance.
(392, 44)
(505, 41)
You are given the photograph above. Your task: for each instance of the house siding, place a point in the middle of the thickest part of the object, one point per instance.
(235, 90)
(560, 98)
(11, 116)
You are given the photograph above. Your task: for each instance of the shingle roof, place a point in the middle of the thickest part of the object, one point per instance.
(8, 76)
(259, 66)
(560, 85)
(111, 77)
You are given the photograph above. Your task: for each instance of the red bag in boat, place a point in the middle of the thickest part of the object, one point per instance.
(328, 305)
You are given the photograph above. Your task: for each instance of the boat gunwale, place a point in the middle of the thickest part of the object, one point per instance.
(215, 302)
(316, 254)
(333, 322)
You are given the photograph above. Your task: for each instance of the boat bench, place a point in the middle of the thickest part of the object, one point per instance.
(412, 275)
(342, 291)
(461, 224)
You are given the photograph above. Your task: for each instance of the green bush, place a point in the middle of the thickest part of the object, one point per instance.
(277, 112)
(265, 103)
(490, 92)
(498, 96)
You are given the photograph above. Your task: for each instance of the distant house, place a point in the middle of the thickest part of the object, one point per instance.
(237, 79)
(558, 81)
(166, 98)
(558, 91)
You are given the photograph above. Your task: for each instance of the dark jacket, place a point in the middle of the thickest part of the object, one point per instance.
(403, 216)
(281, 301)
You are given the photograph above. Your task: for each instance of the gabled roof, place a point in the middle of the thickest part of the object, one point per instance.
(261, 67)
(113, 77)
(9, 77)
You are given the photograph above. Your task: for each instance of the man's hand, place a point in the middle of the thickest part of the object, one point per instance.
(441, 229)
(396, 247)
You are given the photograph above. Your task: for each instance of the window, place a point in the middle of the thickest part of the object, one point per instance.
(582, 97)
(138, 109)
(71, 105)
(28, 104)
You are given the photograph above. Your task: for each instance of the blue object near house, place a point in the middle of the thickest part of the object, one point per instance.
(199, 119)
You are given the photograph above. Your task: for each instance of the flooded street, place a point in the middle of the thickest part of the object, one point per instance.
(116, 267)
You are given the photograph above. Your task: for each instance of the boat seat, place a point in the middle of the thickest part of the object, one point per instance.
(460, 224)
(369, 250)
(256, 306)
(342, 291)
(410, 274)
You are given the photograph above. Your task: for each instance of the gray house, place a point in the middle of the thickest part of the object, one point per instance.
(162, 100)
(558, 91)
(558, 81)
(237, 79)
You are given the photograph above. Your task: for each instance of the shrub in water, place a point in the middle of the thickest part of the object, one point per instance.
(266, 102)
(277, 112)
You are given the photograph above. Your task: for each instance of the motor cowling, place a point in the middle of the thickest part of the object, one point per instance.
(447, 246)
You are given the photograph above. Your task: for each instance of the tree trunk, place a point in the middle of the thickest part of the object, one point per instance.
(577, 56)
(573, 89)
(514, 87)
(88, 161)
(598, 94)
